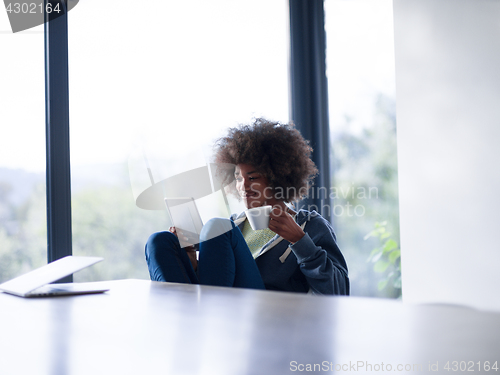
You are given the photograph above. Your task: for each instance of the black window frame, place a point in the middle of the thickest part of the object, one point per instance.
(58, 178)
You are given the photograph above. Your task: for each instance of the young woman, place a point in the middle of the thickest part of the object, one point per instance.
(297, 252)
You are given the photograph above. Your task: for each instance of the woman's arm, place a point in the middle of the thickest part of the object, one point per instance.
(318, 255)
(321, 262)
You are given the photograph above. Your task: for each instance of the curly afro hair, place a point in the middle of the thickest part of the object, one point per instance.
(278, 151)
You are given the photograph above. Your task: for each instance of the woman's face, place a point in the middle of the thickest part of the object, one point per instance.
(253, 187)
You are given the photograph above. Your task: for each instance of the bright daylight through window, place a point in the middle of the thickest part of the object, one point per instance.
(155, 92)
(362, 103)
(23, 228)
(149, 95)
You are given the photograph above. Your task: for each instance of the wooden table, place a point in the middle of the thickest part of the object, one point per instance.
(143, 327)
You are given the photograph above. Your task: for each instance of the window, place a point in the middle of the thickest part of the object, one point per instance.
(160, 86)
(361, 84)
(23, 228)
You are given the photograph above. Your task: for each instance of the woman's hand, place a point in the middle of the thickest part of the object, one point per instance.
(190, 250)
(283, 224)
(174, 231)
(180, 236)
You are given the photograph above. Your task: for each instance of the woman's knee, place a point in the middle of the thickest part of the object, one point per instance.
(215, 227)
(161, 242)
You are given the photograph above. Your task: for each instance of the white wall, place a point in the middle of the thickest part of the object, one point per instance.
(448, 116)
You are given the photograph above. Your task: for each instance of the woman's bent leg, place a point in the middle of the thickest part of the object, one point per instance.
(225, 259)
(167, 261)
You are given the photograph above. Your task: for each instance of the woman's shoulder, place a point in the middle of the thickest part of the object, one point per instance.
(314, 222)
(310, 216)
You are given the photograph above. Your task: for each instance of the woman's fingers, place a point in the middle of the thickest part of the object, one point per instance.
(283, 224)
(279, 215)
(278, 220)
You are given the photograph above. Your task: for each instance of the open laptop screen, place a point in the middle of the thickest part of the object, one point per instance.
(24, 284)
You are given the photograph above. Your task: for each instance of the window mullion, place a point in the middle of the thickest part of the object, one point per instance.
(59, 242)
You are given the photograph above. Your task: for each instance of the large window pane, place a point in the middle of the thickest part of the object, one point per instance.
(361, 79)
(157, 88)
(23, 228)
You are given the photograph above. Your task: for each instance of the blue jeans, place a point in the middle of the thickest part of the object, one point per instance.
(224, 260)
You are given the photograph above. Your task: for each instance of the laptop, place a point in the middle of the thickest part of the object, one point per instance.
(186, 219)
(35, 283)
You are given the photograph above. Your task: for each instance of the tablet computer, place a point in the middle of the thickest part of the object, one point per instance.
(186, 219)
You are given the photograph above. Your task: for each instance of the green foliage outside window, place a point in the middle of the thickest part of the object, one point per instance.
(106, 222)
(366, 176)
(386, 257)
